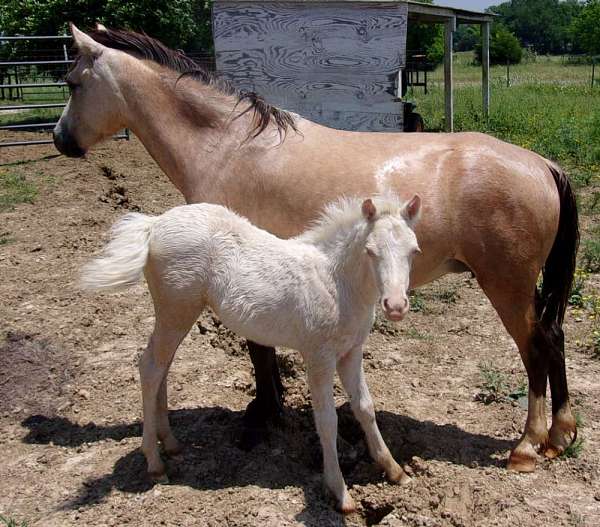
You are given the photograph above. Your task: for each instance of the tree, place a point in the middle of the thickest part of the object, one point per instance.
(585, 29)
(504, 47)
(178, 23)
(466, 37)
(543, 25)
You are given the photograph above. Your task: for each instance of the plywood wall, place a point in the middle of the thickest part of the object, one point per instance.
(335, 63)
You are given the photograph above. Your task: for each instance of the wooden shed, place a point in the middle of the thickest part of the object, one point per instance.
(335, 62)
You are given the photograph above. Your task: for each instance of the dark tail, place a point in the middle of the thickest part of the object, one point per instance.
(559, 268)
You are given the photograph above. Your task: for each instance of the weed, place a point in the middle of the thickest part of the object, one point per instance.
(11, 522)
(574, 450)
(414, 333)
(417, 302)
(14, 189)
(5, 239)
(448, 296)
(590, 253)
(576, 298)
(495, 387)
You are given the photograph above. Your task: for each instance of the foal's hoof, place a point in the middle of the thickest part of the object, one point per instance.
(399, 476)
(552, 451)
(346, 506)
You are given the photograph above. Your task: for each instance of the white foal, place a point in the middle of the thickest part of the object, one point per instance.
(315, 293)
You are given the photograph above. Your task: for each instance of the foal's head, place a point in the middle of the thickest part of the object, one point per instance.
(391, 245)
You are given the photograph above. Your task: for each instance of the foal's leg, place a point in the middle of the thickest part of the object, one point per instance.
(514, 302)
(173, 322)
(268, 404)
(352, 375)
(165, 434)
(320, 382)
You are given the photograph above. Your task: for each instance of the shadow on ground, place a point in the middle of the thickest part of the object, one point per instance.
(212, 458)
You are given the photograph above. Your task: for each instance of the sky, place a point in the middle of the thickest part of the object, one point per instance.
(473, 5)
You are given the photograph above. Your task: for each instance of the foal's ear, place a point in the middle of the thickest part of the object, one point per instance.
(85, 44)
(368, 209)
(412, 209)
(100, 27)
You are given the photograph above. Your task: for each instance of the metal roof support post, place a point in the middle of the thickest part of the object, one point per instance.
(485, 67)
(449, 29)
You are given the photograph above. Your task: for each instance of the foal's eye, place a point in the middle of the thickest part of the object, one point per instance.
(371, 253)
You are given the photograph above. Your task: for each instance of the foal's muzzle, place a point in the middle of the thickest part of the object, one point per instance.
(65, 144)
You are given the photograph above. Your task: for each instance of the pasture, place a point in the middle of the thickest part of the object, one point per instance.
(447, 382)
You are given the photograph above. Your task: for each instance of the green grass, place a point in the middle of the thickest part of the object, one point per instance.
(590, 251)
(549, 108)
(14, 189)
(35, 96)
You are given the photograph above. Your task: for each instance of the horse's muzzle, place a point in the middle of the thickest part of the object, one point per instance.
(66, 145)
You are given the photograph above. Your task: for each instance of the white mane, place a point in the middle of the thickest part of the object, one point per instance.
(342, 215)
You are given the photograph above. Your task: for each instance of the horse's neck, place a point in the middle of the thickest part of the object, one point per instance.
(188, 149)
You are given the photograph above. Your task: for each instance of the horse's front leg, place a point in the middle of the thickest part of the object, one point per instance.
(268, 404)
(320, 382)
(350, 370)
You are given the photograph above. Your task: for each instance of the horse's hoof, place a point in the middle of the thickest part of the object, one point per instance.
(552, 452)
(174, 451)
(253, 436)
(160, 478)
(521, 462)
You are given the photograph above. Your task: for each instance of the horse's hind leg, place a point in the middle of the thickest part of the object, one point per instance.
(173, 322)
(514, 300)
(564, 428)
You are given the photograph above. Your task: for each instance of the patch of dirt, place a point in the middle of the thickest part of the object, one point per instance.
(70, 404)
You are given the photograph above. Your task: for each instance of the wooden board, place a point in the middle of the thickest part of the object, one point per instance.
(335, 63)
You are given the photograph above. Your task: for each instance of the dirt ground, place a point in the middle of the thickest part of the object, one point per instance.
(70, 402)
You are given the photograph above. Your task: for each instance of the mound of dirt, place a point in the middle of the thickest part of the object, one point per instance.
(35, 374)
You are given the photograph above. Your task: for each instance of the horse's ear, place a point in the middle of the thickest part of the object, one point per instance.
(85, 44)
(412, 209)
(368, 209)
(100, 27)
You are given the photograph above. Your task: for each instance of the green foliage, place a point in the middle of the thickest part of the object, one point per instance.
(14, 189)
(585, 28)
(542, 24)
(178, 23)
(417, 302)
(504, 47)
(574, 450)
(426, 38)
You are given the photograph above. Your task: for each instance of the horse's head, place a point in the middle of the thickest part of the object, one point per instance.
(391, 245)
(95, 110)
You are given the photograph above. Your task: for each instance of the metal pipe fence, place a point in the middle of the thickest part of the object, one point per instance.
(19, 74)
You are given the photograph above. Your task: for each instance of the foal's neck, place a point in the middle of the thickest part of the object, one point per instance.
(348, 261)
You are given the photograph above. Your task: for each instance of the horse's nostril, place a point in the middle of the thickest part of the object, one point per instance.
(386, 305)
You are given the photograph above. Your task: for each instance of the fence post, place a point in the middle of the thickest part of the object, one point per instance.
(507, 73)
(593, 70)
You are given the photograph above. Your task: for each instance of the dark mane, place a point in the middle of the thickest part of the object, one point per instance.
(147, 48)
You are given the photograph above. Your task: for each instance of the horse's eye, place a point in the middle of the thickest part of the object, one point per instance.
(370, 252)
(72, 85)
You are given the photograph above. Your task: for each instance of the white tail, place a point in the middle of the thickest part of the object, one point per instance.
(124, 258)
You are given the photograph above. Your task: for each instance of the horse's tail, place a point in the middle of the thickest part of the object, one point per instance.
(123, 260)
(559, 269)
